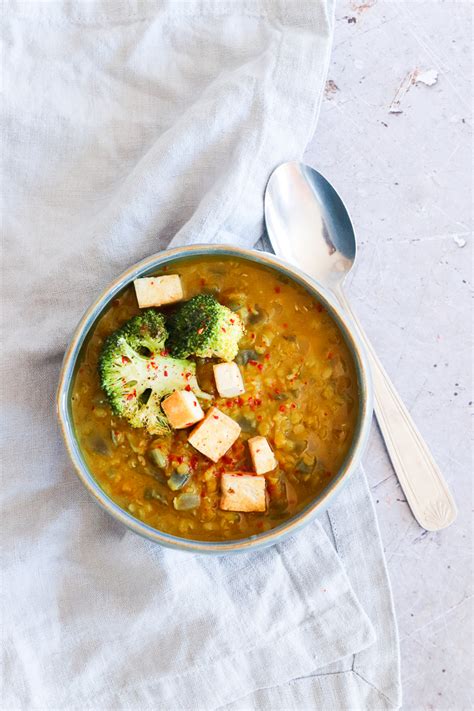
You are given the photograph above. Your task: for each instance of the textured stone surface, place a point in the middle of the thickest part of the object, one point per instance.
(406, 179)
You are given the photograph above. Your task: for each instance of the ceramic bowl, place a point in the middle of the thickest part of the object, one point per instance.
(72, 357)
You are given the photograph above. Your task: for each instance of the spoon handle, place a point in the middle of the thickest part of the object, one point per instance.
(424, 486)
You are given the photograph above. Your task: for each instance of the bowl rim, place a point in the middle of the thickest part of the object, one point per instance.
(319, 503)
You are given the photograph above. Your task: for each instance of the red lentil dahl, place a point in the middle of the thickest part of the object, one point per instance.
(300, 393)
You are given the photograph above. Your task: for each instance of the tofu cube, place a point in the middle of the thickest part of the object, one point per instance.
(215, 435)
(158, 291)
(228, 379)
(182, 409)
(262, 455)
(243, 492)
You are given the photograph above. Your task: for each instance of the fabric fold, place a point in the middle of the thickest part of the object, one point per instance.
(243, 622)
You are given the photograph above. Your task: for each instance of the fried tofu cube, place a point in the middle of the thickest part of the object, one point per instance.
(182, 409)
(228, 379)
(262, 455)
(215, 435)
(158, 291)
(243, 492)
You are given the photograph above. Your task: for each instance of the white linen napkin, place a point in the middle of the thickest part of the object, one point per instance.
(127, 126)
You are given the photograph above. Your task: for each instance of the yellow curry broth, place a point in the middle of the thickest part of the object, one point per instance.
(301, 393)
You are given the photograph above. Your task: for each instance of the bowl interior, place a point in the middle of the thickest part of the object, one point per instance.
(72, 361)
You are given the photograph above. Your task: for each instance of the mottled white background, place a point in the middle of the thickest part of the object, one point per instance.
(407, 181)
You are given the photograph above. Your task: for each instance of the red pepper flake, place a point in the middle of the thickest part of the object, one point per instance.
(282, 408)
(252, 336)
(267, 356)
(259, 418)
(195, 403)
(216, 417)
(330, 355)
(293, 406)
(258, 401)
(188, 388)
(253, 362)
(260, 366)
(193, 462)
(188, 375)
(179, 460)
(223, 329)
(165, 373)
(277, 290)
(200, 330)
(229, 403)
(239, 402)
(125, 359)
(165, 353)
(232, 320)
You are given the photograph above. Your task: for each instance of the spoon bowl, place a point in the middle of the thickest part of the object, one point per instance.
(319, 235)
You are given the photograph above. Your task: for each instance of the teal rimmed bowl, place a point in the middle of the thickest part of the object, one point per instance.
(72, 359)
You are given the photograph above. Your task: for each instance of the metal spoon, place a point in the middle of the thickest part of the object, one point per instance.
(308, 225)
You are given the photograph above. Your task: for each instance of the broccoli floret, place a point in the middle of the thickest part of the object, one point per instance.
(136, 372)
(204, 328)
